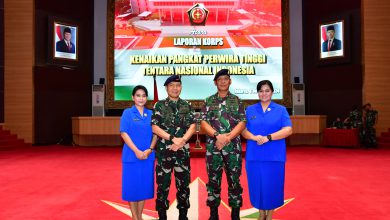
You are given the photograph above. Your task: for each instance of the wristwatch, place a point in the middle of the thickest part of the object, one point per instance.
(151, 149)
(269, 137)
(216, 134)
(171, 137)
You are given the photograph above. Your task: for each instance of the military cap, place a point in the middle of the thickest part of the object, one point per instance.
(221, 73)
(173, 78)
(330, 28)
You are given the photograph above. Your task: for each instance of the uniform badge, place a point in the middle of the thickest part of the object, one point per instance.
(135, 119)
(198, 14)
(253, 117)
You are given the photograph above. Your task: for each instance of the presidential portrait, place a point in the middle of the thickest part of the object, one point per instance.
(332, 39)
(65, 41)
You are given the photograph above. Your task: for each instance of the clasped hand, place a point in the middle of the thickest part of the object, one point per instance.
(260, 139)
(178, 143)
(222, 140)
(143, 155)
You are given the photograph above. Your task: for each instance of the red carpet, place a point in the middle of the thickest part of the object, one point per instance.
(60, 182)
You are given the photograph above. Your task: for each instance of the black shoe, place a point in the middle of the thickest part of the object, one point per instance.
(214, 213)
(235, 214)
(162, 214)
(183, 214)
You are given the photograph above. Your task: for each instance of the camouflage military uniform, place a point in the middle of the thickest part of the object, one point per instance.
(369, 132)
(355, 117)
(223, 114)
(337, 124)
(174, 117)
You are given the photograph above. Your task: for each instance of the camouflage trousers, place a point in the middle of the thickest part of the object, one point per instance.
(368, 137)
(179, 162)
(229, 158)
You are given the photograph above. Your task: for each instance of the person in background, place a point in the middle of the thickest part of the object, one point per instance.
(268, 124)
(338, 124)
(137, 153)
(370, 119)
(173, 122)
(354, 120)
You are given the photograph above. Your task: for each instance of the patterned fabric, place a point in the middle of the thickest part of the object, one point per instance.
(223, 114)
(371, 116)
(180, 163)
(368, 132)
(355, 118)
(337, 124)
(174, 117)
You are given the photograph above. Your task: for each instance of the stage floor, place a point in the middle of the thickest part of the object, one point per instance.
(65, 182)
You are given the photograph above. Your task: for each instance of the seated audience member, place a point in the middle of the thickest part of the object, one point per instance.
(338, 124)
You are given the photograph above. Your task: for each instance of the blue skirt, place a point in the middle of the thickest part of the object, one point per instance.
(266, 183)
(138, 180)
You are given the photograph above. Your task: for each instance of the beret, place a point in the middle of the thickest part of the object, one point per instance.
(221, 73)
(173, 78)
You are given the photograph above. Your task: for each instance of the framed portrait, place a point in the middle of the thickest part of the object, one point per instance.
(65, 41)
(331, 42)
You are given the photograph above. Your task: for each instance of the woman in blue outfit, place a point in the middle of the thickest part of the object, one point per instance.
(268, 124)
(137, 153)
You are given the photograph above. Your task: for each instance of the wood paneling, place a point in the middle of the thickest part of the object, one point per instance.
(61, 93)
(96, 131)
(307, 129)
(18, 62)
(1, 61)
(96, 125)
(333, 87)
(308, 124)
(376, 29)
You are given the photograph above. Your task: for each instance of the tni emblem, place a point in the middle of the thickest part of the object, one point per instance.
(198, 15)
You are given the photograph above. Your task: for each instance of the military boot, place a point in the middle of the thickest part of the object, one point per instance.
(214, 213)
(162, 214)
(183, 214)
(235, 214)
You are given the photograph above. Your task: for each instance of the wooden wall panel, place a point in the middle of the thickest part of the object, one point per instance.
(333, 87)
(1, 61)
(61, 93)
(18, 63)
(375, 43)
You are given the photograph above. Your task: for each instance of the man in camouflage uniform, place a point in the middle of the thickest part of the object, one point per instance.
(354, 120)
(338, 124)
(173, 122)
(370, 117)
(223, 120)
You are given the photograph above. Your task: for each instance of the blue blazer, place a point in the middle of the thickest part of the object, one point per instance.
(263, 123)
(139, 129)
